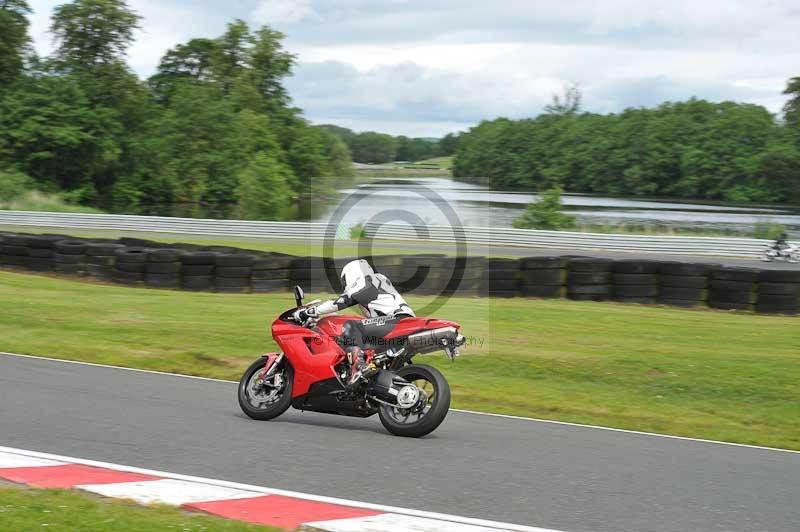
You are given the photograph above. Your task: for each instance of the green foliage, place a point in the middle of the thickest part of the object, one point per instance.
(93, 32)
(358, 232)
(82, 125)
(373, 148)
(263, 190)
(546, 213)
(50, 131)
(376, 148)
(791, 109)
(13, 184)
(692, 149)
(13, 39)
(768, 230)
(448, 144)
(415, 149)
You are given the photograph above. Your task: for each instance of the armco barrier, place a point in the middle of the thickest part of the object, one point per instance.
(226, 269)
(687, 245)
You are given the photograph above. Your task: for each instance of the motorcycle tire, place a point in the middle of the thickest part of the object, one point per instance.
(272, 410)
(435, 415)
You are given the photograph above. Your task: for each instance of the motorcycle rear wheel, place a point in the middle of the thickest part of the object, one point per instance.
(265, 402)
(414, 424)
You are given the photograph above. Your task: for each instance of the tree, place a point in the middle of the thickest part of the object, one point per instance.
(269, 64)
(567, 104)
(546, 213)
(195, 144)
(13, 39)
(93, 32)
(373, 148)
(448, 144)
(51, 133)
(791, 109)
(263, 190)
(186, 63)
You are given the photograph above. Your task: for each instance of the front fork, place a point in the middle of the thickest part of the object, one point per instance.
(273, 361)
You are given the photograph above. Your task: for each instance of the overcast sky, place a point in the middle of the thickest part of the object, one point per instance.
(427, 67)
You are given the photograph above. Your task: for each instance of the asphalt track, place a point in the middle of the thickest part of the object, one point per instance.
(564, 477)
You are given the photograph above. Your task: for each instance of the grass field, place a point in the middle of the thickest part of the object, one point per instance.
(701, 373)
(444, 163)
(25, 510)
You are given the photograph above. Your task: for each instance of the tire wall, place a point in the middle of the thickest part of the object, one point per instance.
(138, 262)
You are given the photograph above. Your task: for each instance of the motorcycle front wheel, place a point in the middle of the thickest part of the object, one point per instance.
(428, 413)
(266, 398)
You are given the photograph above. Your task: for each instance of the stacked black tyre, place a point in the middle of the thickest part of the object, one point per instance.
(198, 270)
(129, 265)
(306, 272)
(15, 251)
(70, 256)
(423, 274)
(635, 281)
(270, 273)
(163, 268)
(462, 276)
(389, 265)
(100, 259)
(589, 279)
(779, 292)
(41, 249)
(684, 284)
(501, 278)
(733, 288)
(232, 272)
(543, 276)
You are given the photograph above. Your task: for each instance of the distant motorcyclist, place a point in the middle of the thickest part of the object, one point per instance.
(378, 300)
(781, 243)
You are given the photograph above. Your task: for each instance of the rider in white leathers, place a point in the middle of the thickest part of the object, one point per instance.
(379, 301)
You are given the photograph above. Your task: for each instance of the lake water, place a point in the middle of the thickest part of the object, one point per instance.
(433, 201)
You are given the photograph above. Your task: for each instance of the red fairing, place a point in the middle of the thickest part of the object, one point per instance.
(334, 325)
(408, 326)
(311, 354)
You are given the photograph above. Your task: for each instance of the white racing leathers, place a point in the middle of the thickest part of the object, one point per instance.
(373, 292)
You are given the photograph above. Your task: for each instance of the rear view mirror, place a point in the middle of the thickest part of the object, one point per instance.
(298, 295)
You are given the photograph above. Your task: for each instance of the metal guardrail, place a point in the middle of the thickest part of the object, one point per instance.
(165, 224)
(502, 236)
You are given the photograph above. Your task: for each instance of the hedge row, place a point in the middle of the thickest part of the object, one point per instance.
(226, 269)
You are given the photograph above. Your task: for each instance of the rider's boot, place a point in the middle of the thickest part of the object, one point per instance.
(359, 368)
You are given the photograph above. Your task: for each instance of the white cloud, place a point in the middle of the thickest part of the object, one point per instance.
(424, 67)
(283, 12)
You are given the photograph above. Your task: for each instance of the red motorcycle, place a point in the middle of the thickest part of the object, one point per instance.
(312, 371)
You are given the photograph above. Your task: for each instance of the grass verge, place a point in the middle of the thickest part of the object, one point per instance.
(703, 373)
(40, 201)
(23, 510)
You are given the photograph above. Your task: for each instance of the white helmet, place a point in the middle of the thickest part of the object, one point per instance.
(355, 272)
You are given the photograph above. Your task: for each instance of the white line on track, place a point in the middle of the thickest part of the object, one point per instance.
(269, 491)
(505, 416)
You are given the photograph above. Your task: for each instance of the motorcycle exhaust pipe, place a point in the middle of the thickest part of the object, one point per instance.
(429, 341)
